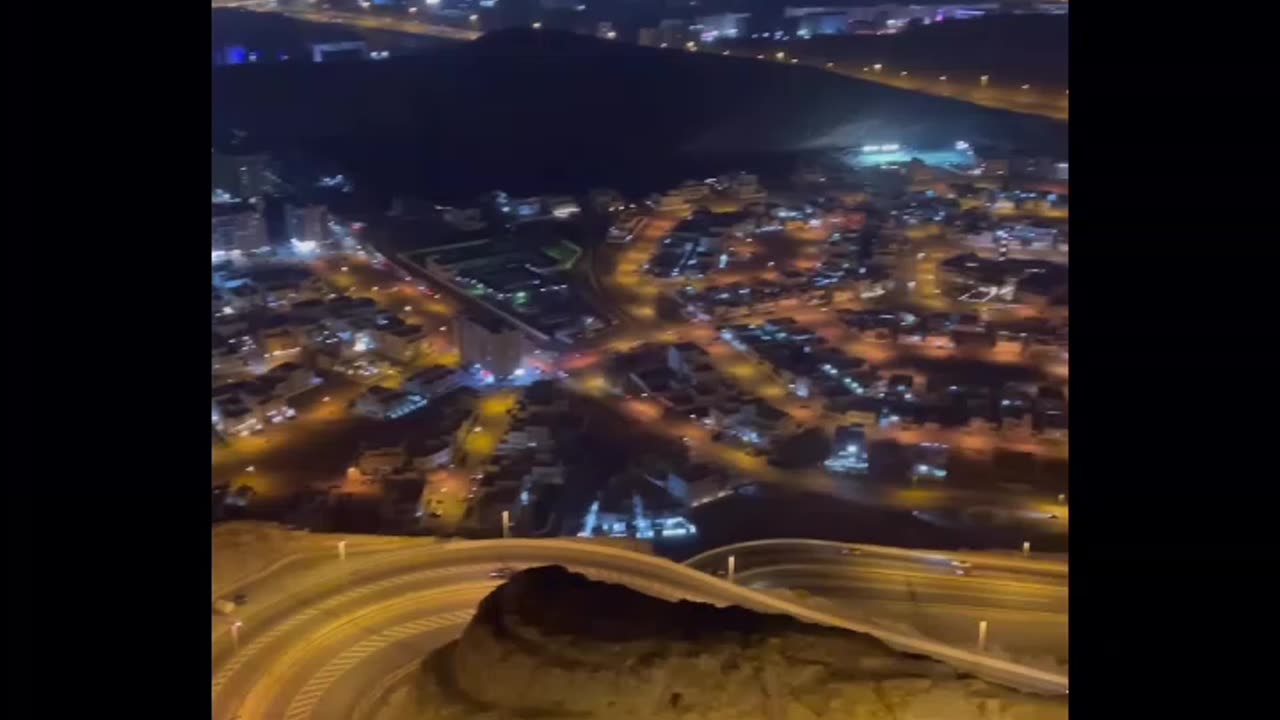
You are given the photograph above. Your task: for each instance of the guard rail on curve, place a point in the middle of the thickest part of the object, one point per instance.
(995, 669)
(1048, 567)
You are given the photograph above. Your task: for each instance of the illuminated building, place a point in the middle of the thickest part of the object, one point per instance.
(491, 344)
(723, 25)
(238, 228)
(307, 225)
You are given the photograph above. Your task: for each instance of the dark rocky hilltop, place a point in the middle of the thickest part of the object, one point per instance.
(552, 644)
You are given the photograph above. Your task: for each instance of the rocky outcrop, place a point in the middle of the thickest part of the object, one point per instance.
(553, 644)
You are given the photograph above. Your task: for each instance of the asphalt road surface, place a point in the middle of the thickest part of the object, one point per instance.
(314, 639)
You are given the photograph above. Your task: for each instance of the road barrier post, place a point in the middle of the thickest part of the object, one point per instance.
(1026, 547)
(342, 549)
(731, 567)
(1062, 497)
(506, 524)
(982, 636)
(235, 635)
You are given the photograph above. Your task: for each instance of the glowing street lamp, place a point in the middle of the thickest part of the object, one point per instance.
(984, 80)
(943, 78)
(780, 55)
(1026, 87)
(537, 25)
(877, 67)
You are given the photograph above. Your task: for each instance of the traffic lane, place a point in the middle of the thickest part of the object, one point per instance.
(646, 573)
(251, 677)
(835, 554)
(318, 578)
(1027, 636)
(960, 590)
(318, 587)
(305, 674)
(336, 679)
(365, 684)
(260, 660)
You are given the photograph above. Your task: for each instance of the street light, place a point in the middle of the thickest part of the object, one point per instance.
(902, 74)
(1026, 87)
(984, 80)
(780, 56)
(943, 78)
(537, 25)
(877, 67)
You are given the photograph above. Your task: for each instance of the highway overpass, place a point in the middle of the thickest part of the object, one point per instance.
(318, 632)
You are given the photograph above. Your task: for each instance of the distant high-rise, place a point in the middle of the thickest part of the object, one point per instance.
(307, 223)
(238, 227)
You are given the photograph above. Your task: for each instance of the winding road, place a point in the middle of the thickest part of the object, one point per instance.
(319, 636)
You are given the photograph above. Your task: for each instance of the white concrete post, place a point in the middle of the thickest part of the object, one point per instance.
(342, 549)
(1062, 498)
(235, 635)
(731, 567)
(1026, 547)
(982, 636)
(506, 524)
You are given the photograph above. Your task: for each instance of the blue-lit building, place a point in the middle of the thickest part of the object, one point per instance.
(850, 453)
(633, 506)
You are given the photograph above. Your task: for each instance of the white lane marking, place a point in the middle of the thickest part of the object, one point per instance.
(305, 701)
(258, 643)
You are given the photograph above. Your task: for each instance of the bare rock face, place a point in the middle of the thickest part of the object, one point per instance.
(552, 644)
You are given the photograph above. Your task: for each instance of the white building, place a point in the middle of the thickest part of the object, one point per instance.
(308, 226)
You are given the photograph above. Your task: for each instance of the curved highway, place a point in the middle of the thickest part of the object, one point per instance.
(316, 640)
(940, 594)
